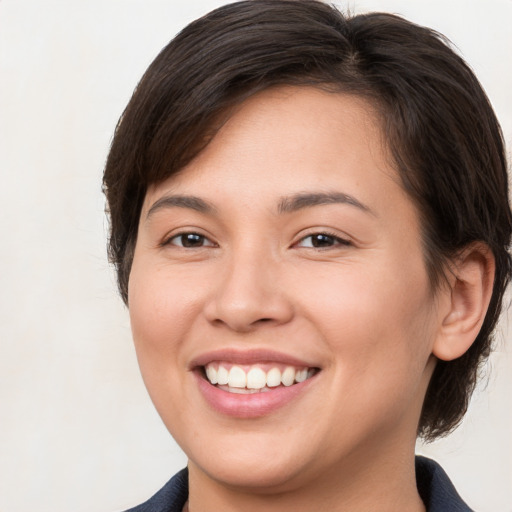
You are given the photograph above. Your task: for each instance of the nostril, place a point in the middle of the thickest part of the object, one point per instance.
(244, 310)
(219, 321)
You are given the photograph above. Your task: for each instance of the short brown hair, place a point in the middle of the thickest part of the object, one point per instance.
(442, 132)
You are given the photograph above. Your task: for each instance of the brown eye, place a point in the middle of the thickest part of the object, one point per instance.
(190, 241)
(321, 240)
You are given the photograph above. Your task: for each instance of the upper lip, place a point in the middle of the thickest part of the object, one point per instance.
(249, 356)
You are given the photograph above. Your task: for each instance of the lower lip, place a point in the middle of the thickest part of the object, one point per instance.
(252, 405)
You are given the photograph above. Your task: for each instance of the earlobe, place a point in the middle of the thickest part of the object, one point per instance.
(470, 291)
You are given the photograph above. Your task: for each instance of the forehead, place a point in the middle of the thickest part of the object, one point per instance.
(304, 134)
(295, 122)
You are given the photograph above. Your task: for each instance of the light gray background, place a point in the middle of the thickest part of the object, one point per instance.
(77, 430)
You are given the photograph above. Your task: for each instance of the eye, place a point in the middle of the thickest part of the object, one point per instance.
(322, 240)
(190, 241)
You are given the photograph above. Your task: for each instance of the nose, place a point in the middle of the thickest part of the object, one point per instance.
(249, 294)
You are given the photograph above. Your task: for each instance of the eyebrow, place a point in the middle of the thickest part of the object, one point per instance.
(307, 200)
(286, 204)
(176, 201)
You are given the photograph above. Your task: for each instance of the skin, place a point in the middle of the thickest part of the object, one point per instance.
(360, 308)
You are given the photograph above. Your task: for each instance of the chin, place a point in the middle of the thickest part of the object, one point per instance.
(252, 459)
(254, 474)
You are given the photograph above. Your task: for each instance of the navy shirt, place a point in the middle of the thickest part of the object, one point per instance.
(434, 487)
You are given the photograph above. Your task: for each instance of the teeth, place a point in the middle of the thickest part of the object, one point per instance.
(288, 377)
(256, 379)
(212, 374)
(301, 375)
(237, 378)
(273, 378)
(222, 376)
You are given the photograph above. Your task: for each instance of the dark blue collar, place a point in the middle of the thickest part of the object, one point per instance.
(436, 489)
(170, 498)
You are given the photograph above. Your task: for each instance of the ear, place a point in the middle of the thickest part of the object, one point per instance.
(470, 290)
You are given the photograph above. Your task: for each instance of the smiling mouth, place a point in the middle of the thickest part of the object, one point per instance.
(258, 378)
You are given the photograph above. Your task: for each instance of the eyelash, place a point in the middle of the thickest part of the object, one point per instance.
(331, 239)
(334, 239)
(181, 236)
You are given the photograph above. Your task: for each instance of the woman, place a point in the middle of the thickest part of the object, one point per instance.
(310, 226)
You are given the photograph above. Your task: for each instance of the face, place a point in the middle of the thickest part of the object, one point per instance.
(281, 310)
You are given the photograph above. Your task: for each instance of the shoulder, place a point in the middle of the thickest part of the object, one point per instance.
(436, 489)
(170, 498)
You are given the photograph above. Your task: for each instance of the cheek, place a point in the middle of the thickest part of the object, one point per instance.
(161, 311)
(377, 321)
